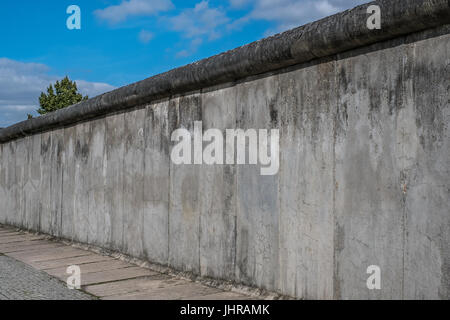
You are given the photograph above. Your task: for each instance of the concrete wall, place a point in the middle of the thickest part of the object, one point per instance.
(364, 178)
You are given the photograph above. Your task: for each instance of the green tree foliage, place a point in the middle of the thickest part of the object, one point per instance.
(64, 94)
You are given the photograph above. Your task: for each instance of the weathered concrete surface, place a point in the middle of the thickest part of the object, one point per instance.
(218, 190)
(363, 180)
(392, 186)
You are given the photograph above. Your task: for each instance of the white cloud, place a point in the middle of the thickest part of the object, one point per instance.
(326, 8)
(239, 3)
(191, 49)
(21, 84)
(200, 21)
(145, 36)
(93, 89)
(288, 14)
(129, 8)
(198, 24)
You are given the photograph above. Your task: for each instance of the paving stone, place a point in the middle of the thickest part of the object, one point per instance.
(33, 247)
(48, 254)
(19, 238)
(24, 243)
(3, 231)
(133, 285)
(224, 295)
(8, 233)
(11, 239)
(65, 262)
(44, 252)
(60, 272)
(115, 275)
(170, 292)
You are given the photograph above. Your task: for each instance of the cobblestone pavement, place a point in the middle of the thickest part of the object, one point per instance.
(33, 267)
(19, 281)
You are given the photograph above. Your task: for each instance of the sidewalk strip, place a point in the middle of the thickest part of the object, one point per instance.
(102, 276)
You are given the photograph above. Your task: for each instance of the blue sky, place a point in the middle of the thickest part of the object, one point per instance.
(124, 41)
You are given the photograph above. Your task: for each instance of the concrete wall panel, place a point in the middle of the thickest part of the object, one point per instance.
(427, 173)
(68, 183)
(45, 206)
(156, 183)
(184, 210)
(81, 180)
(3, 194)
(307, 180)
(257, 239)
(133, 182)
(218, 189)
(374, 99)
(114, 180)
(98, 222)
(21, 177)
(32, 187)
(56, 183)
